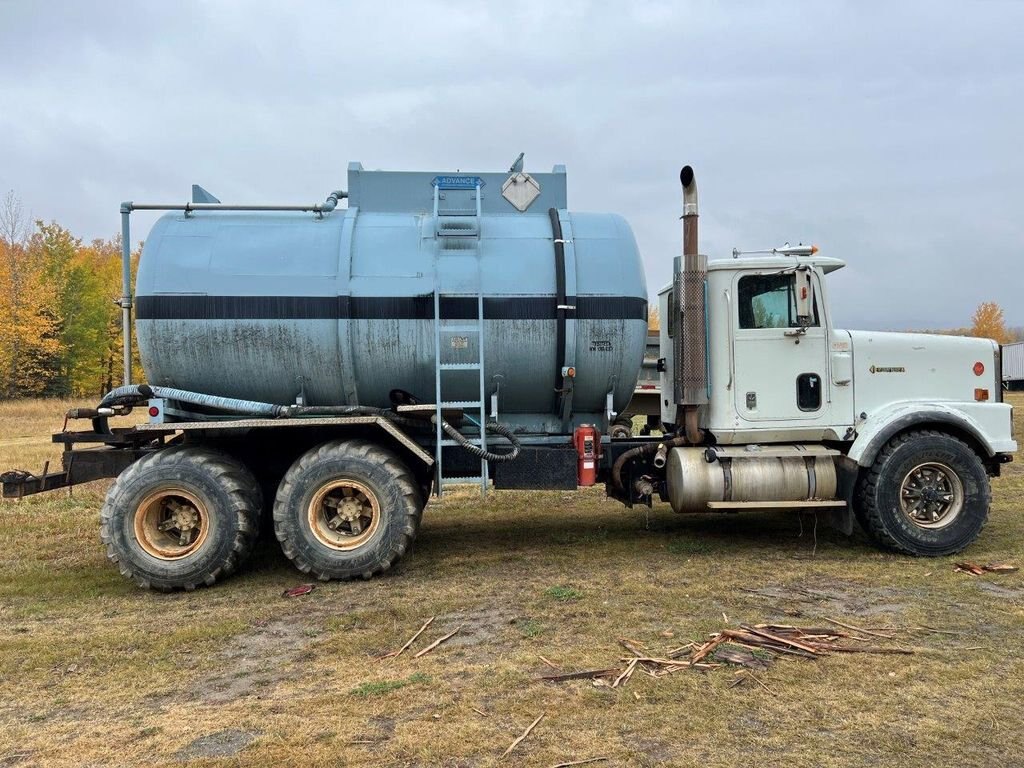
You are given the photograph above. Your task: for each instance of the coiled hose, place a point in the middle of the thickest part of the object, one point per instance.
(136, 393)
(476, 450)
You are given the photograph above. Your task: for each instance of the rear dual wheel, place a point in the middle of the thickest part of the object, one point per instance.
(181, 518)
(347, 508)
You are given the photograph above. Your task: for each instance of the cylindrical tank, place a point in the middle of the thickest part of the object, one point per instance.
(769, 473)
(339, 308)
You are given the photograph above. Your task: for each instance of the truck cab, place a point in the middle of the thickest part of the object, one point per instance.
(781, 377)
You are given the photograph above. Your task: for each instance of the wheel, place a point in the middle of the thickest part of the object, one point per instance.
(181, 518)
(926, 494)
(347, 508)
(622, 428)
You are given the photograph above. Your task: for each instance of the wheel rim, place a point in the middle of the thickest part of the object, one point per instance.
(344, 514)
(171, 523)
(931, 495)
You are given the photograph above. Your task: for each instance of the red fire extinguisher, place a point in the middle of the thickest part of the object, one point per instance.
(588, 451)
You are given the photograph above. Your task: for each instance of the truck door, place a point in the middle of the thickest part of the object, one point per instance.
(781, 365)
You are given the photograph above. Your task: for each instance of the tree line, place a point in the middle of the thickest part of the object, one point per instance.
(60, 330)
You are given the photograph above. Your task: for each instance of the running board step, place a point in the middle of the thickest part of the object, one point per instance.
(461, 404)
(741, 505)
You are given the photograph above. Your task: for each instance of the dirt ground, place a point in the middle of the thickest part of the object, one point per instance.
(94, 671)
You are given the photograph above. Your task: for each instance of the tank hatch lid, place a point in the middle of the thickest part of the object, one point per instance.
(413, 191)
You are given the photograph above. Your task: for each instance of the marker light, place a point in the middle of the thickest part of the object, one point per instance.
(154, 411)
(979, 368)
(981, 395)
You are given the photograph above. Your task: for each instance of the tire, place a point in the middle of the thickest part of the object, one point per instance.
(927, 494)
(622, 428)
(347, 508)
(219, 504)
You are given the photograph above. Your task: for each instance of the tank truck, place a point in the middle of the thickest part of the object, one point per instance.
(324, 369)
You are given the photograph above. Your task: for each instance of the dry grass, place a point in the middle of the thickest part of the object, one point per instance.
(94, 671)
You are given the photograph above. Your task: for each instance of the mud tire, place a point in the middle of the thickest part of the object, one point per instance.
(383, 473)
(878, 495)
(225, 487)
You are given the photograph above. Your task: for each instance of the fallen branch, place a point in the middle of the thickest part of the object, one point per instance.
(626, 673)
(753, 677)
(437, 642)
(546, 661)
(579, 762)
(409, 642)
(781, 640)
(858, 629)
(526, 733)
(582, 675)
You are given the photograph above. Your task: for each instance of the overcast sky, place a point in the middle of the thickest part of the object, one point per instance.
(890, 134)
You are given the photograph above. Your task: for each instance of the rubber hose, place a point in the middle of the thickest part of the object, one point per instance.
(476, 450)
(642, 450)
(134, 393)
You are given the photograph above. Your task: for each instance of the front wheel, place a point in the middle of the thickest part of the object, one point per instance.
(926, 494)
(347, 508)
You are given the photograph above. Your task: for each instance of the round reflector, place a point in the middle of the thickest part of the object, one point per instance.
(154, 411)
(979, 368)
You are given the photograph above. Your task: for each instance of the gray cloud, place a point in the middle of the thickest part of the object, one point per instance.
(888, 135)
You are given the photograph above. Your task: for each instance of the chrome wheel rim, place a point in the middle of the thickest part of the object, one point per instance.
(344, 514)
(171, 524)
(931, 495)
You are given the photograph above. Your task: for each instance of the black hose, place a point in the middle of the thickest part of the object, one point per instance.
(476, 450)
(642, 450)
(560, 301)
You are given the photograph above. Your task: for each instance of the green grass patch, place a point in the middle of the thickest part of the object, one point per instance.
(381, 687)
(563, 594)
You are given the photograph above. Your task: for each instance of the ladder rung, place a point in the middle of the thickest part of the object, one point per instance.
(461, 404)
(459, 328)
(456, 232)
(461, 480)
(459, 366)
(452, 443)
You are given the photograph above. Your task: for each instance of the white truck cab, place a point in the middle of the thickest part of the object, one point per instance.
(900, 430)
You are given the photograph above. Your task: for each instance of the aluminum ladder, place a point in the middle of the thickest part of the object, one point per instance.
(457, 232)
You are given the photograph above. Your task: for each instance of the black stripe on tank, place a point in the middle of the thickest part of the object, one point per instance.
(197, 307)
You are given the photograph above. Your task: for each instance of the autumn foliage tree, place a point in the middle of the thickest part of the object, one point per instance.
(60, 331)
(988, 323)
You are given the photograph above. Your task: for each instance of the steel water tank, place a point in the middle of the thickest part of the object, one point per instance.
(339, 308)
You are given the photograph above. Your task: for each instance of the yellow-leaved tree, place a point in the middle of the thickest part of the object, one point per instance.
(988, 323)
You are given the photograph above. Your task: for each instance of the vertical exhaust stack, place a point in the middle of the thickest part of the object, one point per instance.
(690, 341)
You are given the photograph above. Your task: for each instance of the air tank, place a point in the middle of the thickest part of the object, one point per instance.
(339, 308)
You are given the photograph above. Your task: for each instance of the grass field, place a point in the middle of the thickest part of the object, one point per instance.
(94, 671)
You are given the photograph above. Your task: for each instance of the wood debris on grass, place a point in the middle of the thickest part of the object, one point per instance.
(979, 570)
(437, 642)
(408, 643)
(581, 762)
(752, 647)
(524, 734)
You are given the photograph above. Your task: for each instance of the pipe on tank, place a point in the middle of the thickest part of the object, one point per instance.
(125, 300)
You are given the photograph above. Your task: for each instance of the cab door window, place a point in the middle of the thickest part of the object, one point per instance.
(769, 301)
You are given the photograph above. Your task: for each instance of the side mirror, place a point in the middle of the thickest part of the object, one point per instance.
(804, 288)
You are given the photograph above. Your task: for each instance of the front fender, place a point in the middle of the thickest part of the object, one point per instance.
(981, 424)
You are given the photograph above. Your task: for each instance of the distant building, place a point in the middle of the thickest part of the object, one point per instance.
(1013, 366)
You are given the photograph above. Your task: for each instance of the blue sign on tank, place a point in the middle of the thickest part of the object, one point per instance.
(457, 182)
